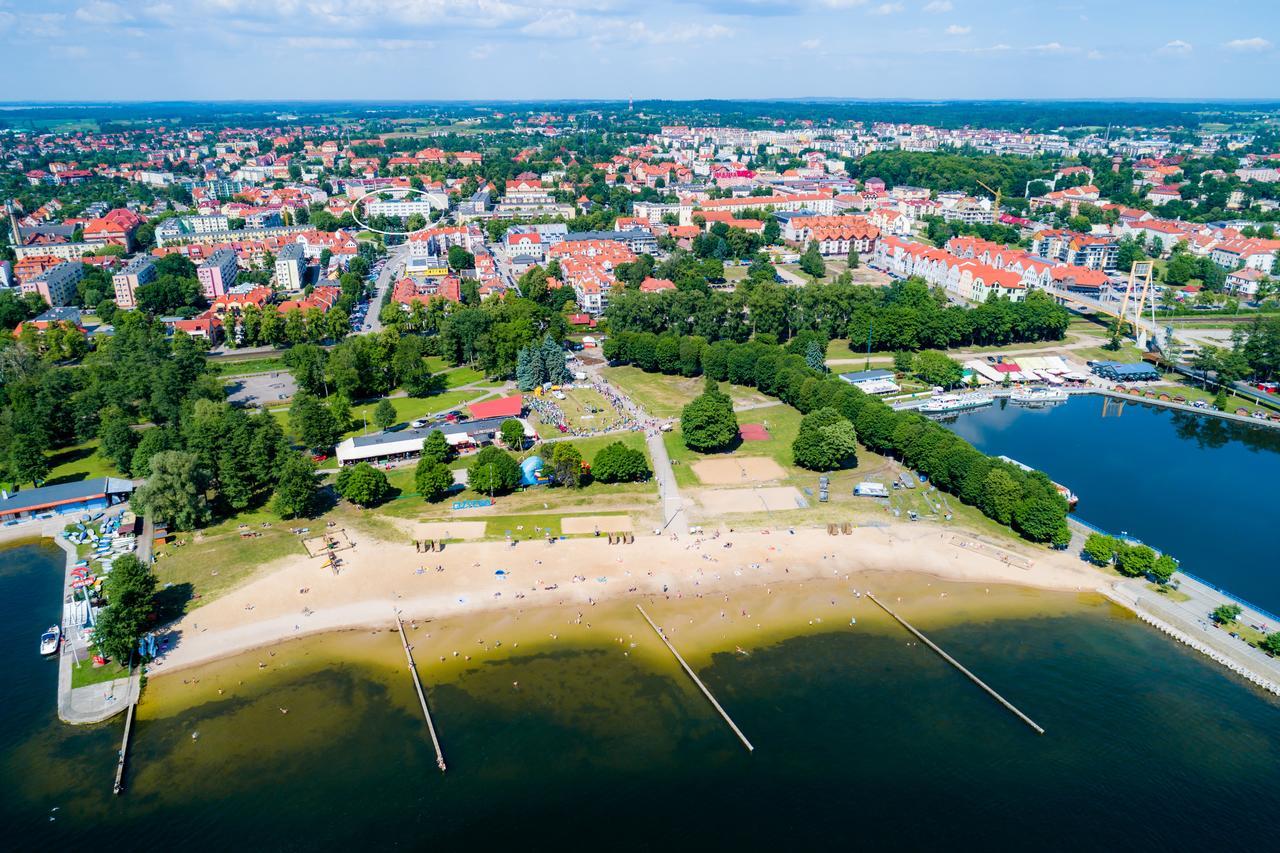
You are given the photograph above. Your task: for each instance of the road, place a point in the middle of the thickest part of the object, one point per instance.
(673, 515)
(395, 260)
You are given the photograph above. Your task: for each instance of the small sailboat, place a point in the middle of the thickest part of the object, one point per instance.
(49, 640)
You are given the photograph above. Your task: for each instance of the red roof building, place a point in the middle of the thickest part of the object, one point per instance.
(503, 407)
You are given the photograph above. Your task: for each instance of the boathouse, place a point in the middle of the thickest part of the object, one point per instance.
(84, 496)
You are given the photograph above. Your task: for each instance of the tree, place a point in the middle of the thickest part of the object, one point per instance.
(617, 463)
(855, 260)
(461, 259)
(493, 471)
(116, 441)
(1225, 614)
(1040, 518)
(433, 479)
(815, 356)
(1135, 560)
(1163, 568)
(1000, 494)
(512, 432)
(312, 422)
(27, 462)
(130, 593)
(811, 262)
(295, 491)
(566, 462)
(384, 414)
(826, 440)
(1100, 549)
(1271, 645)
(708, 423)
(363, 485)
(937, 368)
(437, 448)
(175, 492)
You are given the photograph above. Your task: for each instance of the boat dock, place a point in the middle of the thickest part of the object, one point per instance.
(124, 751)
(949, 659)
(698, 681)
(422, 696)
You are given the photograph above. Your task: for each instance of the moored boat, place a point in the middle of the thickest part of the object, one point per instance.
(947, 403)
(49, 640)
(1039, 394)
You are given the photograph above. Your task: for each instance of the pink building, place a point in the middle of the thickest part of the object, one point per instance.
(218, 274)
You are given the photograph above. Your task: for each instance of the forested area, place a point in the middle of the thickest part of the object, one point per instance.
(907, 315)
(158, 412)
(1027, 502)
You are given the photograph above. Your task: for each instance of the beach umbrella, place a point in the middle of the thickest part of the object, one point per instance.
(501, 572)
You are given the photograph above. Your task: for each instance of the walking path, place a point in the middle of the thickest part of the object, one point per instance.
(96, 702)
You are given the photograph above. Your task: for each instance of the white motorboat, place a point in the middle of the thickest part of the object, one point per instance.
(49, 640)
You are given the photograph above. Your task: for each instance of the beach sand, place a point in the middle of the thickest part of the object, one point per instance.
(727, 583)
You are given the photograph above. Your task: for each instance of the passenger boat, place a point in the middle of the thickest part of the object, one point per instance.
(1038, 394)
(947, 403)
(49, 640)
(1071, 497)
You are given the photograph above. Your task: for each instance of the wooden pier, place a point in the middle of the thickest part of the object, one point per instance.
(422, 697)
(698, 681)
(124, 751)
(949, 659)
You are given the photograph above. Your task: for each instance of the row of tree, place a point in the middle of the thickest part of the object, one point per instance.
(1026, 501)
(904, 316)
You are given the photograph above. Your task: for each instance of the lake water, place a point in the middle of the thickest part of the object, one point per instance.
(862, 739)
(1200, 488)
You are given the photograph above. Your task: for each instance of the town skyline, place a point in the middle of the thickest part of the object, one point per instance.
(614, 49)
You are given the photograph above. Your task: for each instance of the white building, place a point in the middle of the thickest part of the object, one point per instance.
(291, 267)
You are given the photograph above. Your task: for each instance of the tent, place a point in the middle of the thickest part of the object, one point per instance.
(533, 472)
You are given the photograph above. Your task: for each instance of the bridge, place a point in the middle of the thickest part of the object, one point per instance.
(1127, 309)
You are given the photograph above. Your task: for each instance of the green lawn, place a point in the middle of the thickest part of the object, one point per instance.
(783, 423)
(244, 366)
(664, 396)
(407, 409)
(584, 408)
(81, 462)
(87, 674)
(205, 568)
(1128, 353)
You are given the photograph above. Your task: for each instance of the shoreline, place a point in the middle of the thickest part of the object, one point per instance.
(380, 579)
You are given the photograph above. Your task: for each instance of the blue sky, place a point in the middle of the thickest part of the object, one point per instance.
(443, 49)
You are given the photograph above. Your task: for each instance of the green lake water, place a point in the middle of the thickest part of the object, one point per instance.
(862, 739)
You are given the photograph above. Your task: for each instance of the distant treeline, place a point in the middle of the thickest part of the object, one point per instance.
(904, 316)
(1027, 502)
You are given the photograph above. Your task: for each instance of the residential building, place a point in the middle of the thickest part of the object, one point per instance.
(291, 267)
(126, 282)
(218, 274)
(56, 286)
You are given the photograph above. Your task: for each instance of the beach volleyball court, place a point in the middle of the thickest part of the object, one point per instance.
(592, 523)
(774, 499)
(449, 530)
(736, 470)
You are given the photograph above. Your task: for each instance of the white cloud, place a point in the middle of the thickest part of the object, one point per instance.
(1095, 55)
(100, 12)
(811, 44)
(481, 51)
(47, 25)
(886, 9)
(957, 30)
(843, 4)
(937, 7)
(1177, 47)
(1250, 45)
(69, 51)
(1051, 47)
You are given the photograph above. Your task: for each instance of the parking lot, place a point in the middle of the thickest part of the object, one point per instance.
(261, 389)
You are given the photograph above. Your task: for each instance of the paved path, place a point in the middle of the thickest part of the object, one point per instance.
(97, 702)
(395, 258)
(673, 514)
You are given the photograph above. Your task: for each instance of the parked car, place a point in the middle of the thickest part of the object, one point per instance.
(319, 457)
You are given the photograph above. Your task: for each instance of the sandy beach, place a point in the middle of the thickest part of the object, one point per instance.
(297, 596)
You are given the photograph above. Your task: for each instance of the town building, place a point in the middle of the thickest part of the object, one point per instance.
(141, 270)
(218, 274)
(291, 267)
(56, 286)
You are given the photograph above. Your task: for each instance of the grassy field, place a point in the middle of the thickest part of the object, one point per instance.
(584, 408)
(244, 366)
(81, 462)
(200, 567)
(407, 409)
(783, 423)
(87, 674)
(1128, 353)
(664, 396)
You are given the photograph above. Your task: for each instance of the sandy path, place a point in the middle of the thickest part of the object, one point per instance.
(379, 577)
